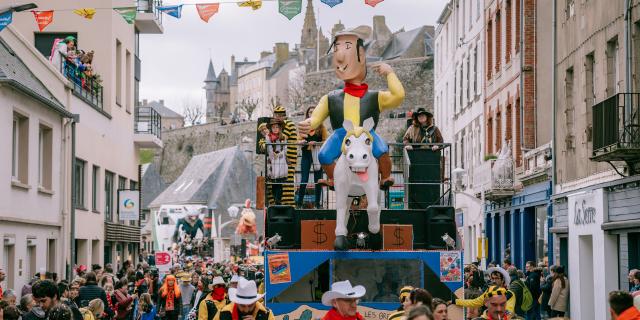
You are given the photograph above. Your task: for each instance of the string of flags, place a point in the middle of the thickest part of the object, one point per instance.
(288, 8)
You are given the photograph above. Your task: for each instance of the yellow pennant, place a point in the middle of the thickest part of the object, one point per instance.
(254, 4)
(85, 12)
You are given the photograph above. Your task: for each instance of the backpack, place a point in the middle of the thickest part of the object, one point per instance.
(527, 297)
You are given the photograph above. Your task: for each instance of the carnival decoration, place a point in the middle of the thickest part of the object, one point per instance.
(247, 224)
(207, 10)
(5, 19)
(43, 18)
(174, 11)
(188, 225)
(86, 13)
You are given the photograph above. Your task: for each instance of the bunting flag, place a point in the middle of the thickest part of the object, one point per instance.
(207, 10)
(254, 4)
(43, 18)
(331, 3)
(86, 13)
(127, 13)
(372, 3)
(174, 11)
(290, 8)
(5, 19)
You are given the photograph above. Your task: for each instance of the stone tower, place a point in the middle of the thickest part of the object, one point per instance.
(210, 86)
(310, 29)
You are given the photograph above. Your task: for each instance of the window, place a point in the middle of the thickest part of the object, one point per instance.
(45, 158)
(475, 72)
(79, 185)
(569, 107)
(108, 196)
(133, 185)
(509, 124)
(118, 72)
(498, 41)
(498, 130)
(128, 86)
(489, 49)
(44, 40)
(122, 185)
(489, 136)
(478, 8)
(590, 79)
(612, 66)
(508, 31)
(517, 25)
(569, 10)
(95, 177)
(20, 149)
(468, 82)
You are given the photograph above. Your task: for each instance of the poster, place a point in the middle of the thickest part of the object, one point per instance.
(450, 266)
(163, 261)
(128, 205)
(279, 268)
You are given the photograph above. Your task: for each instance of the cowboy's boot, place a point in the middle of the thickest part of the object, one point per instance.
(384, 165)
(328, 168)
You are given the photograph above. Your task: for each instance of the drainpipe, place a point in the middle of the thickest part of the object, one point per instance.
(628, 62)
(72, 226)
(521, 13)
(553, 137)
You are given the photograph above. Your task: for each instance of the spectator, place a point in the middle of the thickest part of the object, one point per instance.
(91, 291)
(186, 290)
(26, 288)
(517, 286)
(559, 292)
(405, 292)
(11, 313)
(621, 306)
(440, 311)
(46, 295)
(122, 301)
(418, 297)
(147, 310)
(94, 310)
(9, 297)
(170, 301)
(632, 274)
(506, 264)
(496, 302)
(342, 298)
(533, 283)
(420, 313)
(65, 298)
(81, 271)
(636, 282)
(546, 286)
(141, 283)
(317, 136)
(214, 301)
(26, 303)
(60, 312)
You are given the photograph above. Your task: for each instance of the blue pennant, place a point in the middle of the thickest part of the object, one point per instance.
(174, 11)
(331, 3)
(5, 19)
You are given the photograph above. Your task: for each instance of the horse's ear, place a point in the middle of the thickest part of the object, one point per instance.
(347, 125)
(368, 124)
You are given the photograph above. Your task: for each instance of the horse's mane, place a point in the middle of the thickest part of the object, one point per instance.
(357, 132)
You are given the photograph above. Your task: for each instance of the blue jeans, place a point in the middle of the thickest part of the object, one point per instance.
(534, 312)
(305, 167)
(331, 149)
(185, 311)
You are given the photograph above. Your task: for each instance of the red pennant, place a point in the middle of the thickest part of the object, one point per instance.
(207, 10)
(43, 18)
(372, 3)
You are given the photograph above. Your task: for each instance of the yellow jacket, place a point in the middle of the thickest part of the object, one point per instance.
(203, 310)
(479, 301)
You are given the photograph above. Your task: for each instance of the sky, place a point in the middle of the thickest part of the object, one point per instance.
(174, 64)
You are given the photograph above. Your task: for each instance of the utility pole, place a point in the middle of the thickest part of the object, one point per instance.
(318, 42)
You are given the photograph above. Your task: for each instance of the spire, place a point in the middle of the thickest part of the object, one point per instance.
(211, 73)
(310, 29)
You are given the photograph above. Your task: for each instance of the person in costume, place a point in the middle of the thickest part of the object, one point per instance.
(422, 130)
(501, 280)
(343, 300)
(276, 152)
(289, 130)
(496, 300)
(170, 299)
(309, 143)
(190, 224)
(244, 304)
(405, 292)
(215, 301)
(356, 102)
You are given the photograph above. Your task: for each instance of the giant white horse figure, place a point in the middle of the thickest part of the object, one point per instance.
(356, 174)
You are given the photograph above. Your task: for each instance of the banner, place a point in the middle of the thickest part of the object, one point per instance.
(174, 11)
(331, 3)
(127, 13)
(43, 18)
(290, 8)
(372, 3)
(279, 268)
(5, 19)
(86, 13)
(254, 4)
(163, 261)
(129, 205)
(450, 266)
(207, 10)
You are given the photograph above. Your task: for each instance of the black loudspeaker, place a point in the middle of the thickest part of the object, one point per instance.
(282, 220)
(424, 178)
(243, 248)
(440, 220)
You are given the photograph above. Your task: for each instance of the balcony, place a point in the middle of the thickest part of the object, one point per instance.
(148, 125)
(86, 87)
(149, 18)
(616, 129)
(495, 177)
(537, 165)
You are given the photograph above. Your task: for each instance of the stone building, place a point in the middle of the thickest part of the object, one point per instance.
(217, 92)
(170, 119)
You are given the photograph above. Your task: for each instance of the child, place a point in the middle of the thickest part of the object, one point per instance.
(264, 131)
(277, 158)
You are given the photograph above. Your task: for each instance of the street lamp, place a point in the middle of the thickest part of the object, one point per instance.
(22, 7)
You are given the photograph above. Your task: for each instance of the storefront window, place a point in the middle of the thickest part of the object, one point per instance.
(542, 229)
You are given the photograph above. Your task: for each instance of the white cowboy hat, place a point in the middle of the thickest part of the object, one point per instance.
(217, 281)
(342, 290)
(505, 274)
(234, 278)
(246, 293)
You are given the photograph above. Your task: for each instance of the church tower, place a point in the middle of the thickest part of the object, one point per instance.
(310, 29)
(210, 86)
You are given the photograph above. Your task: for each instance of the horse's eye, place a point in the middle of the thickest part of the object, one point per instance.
(348, 142)
(368, 141)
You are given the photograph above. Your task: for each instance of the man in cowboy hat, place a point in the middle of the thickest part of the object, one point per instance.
(215, 301)
(289, 130)
(343, 300)
(355, 102)
(422, 130)
(233, 283)
(187, 290)
(244, 304)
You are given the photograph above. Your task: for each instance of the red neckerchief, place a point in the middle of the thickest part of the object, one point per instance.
(333, 314)
(356, 90)
(235, 314)
(274, 137)
(506, 317)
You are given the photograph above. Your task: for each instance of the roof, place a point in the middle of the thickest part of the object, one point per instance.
(401, 42)
(14, 72)
(211, 73)
(152, 184)
(163, 110)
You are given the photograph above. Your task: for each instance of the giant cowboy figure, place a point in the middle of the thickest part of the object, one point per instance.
(355, 102)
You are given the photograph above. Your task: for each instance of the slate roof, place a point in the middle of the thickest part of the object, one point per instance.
(163, 110)
(152, 184)
(211, 73)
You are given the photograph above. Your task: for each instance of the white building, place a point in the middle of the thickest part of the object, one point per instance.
(458, 110)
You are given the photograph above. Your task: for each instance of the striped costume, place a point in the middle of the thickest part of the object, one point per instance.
(292, 157)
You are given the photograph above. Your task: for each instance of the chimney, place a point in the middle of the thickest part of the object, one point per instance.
(162, 102)
(233, 64)
(282, 53)
(144, 102)
(380, 29)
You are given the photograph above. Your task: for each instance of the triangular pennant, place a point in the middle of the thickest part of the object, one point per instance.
(174, 11)
(43, 18)
(127, 13)
(207, 10)
(86, 13)
(6, 19)
(372, 3)
(254, 4)
(290, 8)
(331, 3)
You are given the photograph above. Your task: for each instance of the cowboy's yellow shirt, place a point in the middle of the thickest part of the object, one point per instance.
(386, 100)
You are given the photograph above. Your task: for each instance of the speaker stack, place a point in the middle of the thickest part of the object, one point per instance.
(424, 178)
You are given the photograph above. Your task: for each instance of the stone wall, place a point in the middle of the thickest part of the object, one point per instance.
(415, 74)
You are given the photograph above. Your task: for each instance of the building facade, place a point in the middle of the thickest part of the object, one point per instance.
(108, 137)
(170, 119)
(596, 193)
(458, 110)
(217, 94)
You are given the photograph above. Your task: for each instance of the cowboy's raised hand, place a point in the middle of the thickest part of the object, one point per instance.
(304, 127)
(382, 69)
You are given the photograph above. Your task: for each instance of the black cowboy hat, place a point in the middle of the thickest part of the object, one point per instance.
(275, 121)
(422, 111)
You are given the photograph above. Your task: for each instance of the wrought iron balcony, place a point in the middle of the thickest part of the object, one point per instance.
(86, 87)
(495, 178)
(149, 18)
(616, 129)
(148, 128)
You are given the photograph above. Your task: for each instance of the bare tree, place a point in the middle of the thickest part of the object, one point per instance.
(274, 102)
(248, 106)
(296, 91)
(193, 112)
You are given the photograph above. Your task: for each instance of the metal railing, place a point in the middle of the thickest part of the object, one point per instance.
(148, 121)
(417, 184)
(88, 88)
(502, 174)
(151, 6)
(613, 127)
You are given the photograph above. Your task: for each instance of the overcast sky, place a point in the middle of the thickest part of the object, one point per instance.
(174, 64)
